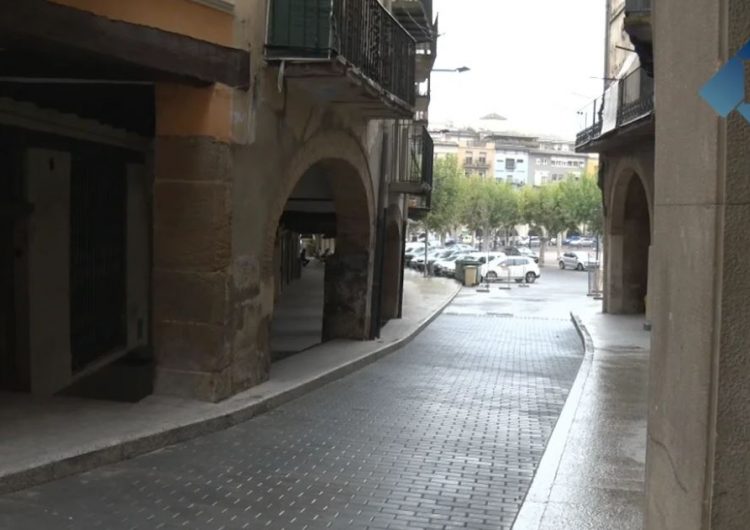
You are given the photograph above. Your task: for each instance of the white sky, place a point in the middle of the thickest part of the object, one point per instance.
(531, 62)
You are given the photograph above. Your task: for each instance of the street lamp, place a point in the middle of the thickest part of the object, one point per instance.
(459, 70)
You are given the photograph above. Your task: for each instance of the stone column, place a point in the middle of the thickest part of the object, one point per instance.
(346, 296)
(393, 275)
(192, 220)
(698, 459)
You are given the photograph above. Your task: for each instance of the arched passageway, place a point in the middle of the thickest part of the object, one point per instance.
(629, 242)
(323, 293)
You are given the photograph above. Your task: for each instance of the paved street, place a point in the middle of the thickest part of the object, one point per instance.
(445, 433)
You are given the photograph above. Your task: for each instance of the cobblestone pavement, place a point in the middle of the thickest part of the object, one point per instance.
(446, 433)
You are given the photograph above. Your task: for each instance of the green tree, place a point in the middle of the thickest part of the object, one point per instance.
(489, 206)
(445, 210)
(547, 208)
(589, 209)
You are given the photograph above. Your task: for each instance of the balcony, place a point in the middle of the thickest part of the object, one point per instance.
(622, 114)
(417, 18)
(416, 179)
(638, 26)
(351, 53)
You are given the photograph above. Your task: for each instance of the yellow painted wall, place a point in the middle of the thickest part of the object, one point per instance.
(177, 16)
(188, 111)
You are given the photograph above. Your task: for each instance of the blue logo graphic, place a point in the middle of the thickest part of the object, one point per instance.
(725, 91)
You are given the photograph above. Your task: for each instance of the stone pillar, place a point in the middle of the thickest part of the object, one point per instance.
(194, 303)
(698, 457)
(393, 274)
(346, 295)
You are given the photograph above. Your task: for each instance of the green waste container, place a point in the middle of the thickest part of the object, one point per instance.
(459, 272)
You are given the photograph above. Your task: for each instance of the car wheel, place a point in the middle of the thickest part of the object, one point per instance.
(491, 276)
(530, 277)
(579, 267)
(562, 265)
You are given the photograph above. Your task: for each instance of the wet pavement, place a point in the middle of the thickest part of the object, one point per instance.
(445, 433)
(592, 474)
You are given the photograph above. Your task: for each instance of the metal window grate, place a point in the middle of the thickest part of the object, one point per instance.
(97, 257)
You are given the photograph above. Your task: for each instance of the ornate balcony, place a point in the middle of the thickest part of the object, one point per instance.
(345, 52)
(416, 179)
(618, 114)
(417, 18)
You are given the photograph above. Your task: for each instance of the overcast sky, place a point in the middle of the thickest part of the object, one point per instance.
(531, 62)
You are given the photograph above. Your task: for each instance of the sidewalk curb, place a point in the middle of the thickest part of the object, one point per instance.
(142, 443)
(583, 332)
(535, 503)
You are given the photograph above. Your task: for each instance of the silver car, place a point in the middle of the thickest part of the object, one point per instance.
(574, 260)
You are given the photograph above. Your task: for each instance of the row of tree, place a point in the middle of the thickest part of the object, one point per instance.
(495, 208)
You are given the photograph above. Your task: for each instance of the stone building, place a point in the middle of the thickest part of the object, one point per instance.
(677, 204)
(620, 127)
(159, 160)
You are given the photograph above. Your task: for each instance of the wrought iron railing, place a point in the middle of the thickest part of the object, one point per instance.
(421, 155)
(636, 97)
(636, 100)
(362, 32)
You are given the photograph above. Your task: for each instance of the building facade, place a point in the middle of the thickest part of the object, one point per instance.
(675, 197)
(161, 159)
(476, 157)
(620, 129)
(516, 159)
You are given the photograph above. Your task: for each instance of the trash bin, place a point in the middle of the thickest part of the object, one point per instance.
(458, 274)
(470, 275)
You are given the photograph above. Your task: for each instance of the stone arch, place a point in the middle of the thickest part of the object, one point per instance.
(339, 160)
(337, 148)
(629, 233)
(393, 269)
(624, 173)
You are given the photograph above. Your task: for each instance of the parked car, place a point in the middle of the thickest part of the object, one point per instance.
(517, 268)
(482, 256)
(432, 257)
(447, 267)
(521, 251)
(574, 260)
(583, 242)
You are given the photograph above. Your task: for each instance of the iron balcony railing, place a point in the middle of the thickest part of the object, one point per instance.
(416, 17)
(635, 101)
(362, 32)
(421, 155)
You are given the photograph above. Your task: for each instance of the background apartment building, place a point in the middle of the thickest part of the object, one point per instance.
(521, 160)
